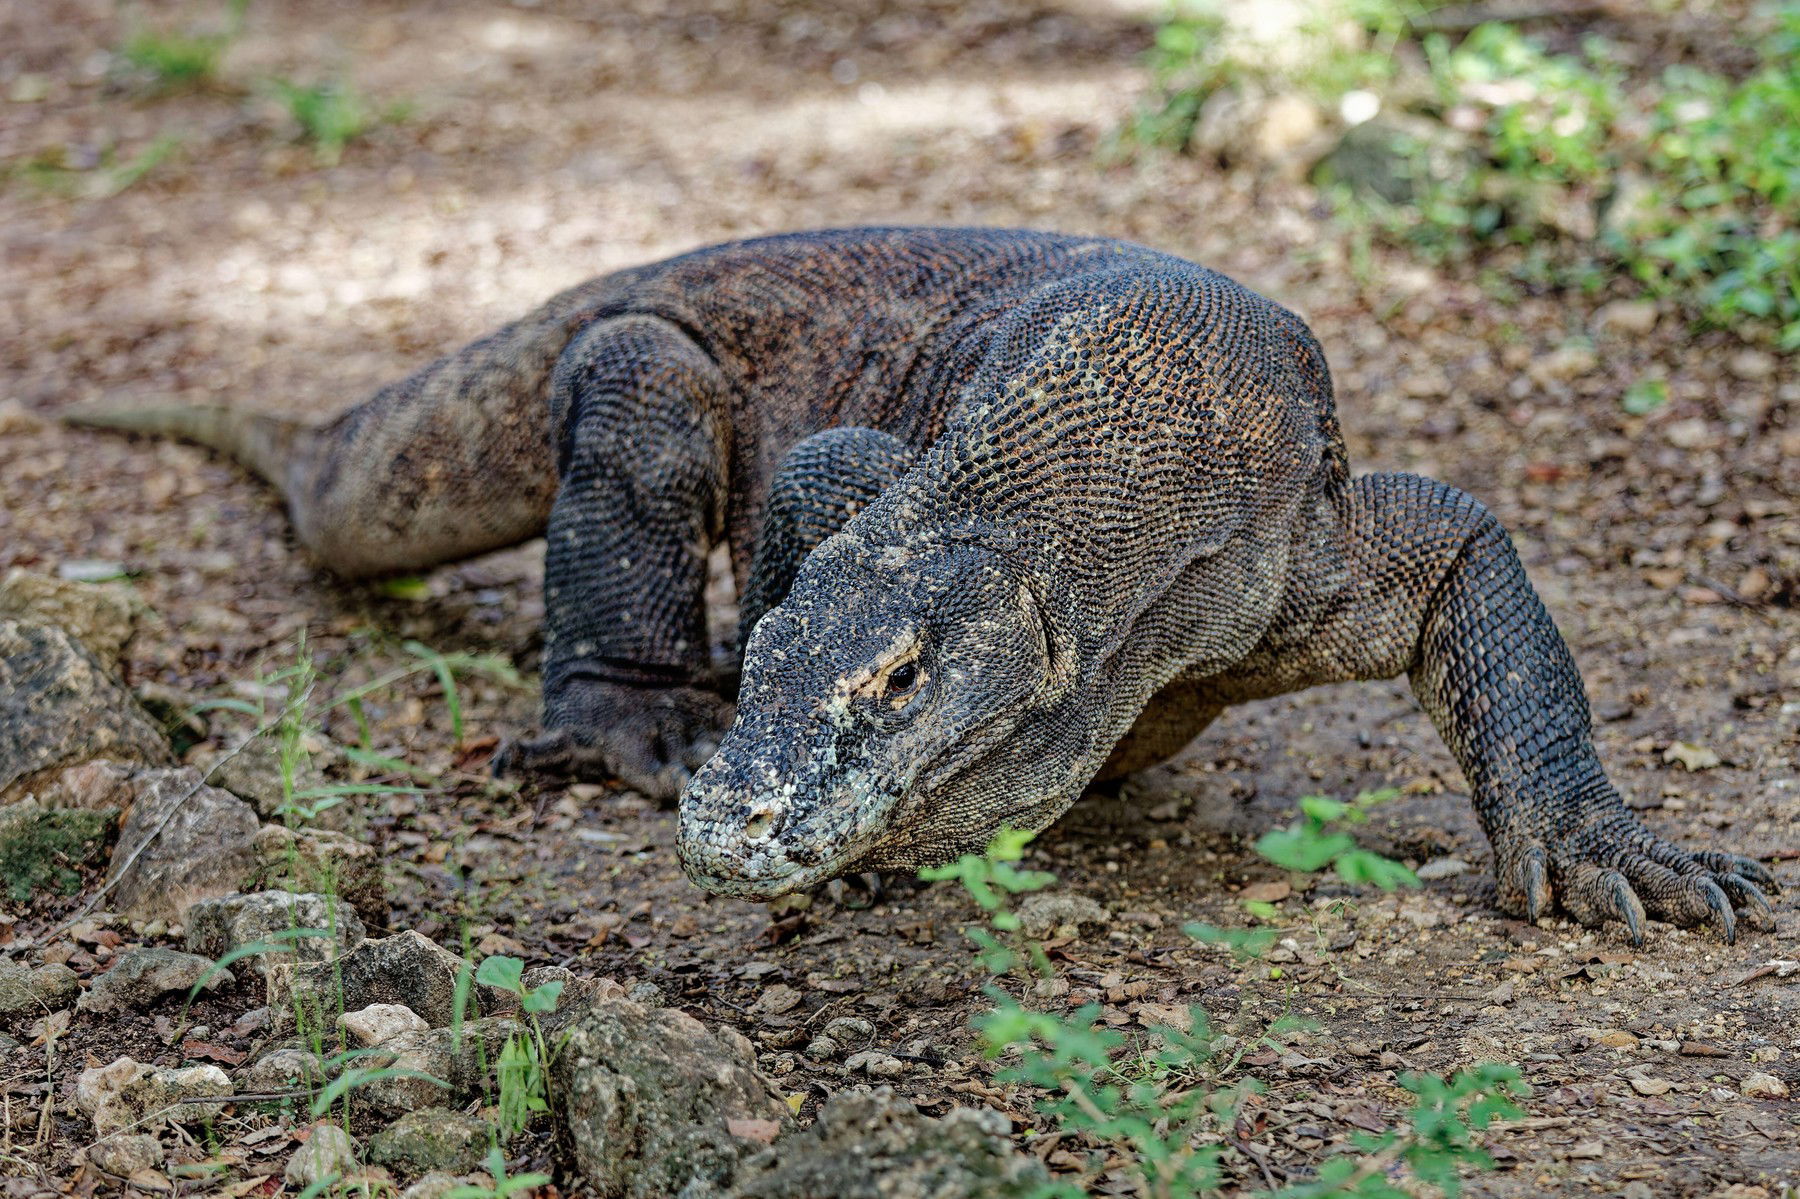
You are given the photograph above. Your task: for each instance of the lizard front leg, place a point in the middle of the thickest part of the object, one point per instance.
(1496, 678)
(640, 419)
(823, 482)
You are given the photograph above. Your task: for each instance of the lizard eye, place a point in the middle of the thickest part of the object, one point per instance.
(901, 684)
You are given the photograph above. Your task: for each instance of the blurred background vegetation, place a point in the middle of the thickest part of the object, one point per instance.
(1445, 129)
(1507, 137)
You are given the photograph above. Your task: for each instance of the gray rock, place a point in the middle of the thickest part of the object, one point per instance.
(33, 992)
(283, 1069)
(434, 1185)
(850, 1030)
(874, 1145)
(61, 706)
(1394, 157)
(380, 1023)
(645, 1098)
(329, 1152)
(432, 1138)
(100, 616)
(8, 1045)
(142, 976)
(55, 985)
(437, 1066)
(253, 774)
(190, 841)
(145, 1099)
(319, 860)
(1050, 912)
(215, 927)
(405, 968)
(646, 993)
(126, 1153)
(875, 1064)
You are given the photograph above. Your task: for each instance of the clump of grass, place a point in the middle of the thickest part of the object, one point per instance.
(183, 61)
(331, 114)
(59, 172)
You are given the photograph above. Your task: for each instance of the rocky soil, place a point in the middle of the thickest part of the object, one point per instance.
(731, 1044)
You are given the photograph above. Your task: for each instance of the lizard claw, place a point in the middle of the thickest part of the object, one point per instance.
(1736, 863)
(1538, 896)
(1626, 907)
(1715, 899)
(1746, 894)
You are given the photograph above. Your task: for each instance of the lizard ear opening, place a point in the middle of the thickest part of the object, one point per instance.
(1058, 658)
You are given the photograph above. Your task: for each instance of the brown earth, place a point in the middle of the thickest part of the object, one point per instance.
(550, 141)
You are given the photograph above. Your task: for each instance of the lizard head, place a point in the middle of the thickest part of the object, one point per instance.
(887, 677)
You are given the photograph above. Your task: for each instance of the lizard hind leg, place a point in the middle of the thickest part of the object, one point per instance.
(823, 482)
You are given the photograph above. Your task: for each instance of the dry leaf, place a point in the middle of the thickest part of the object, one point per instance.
(1273, 892)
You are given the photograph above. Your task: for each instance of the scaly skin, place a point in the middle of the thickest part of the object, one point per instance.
(1009, 512)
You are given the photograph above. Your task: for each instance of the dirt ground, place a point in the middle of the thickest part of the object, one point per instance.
(548, 141)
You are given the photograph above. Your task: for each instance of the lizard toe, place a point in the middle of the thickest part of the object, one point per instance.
(1750, 869)
(1747, 897)
(1539, 898)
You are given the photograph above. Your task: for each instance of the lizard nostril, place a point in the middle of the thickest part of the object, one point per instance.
(759, 824)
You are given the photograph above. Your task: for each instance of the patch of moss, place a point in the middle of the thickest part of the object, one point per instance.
(45, 849)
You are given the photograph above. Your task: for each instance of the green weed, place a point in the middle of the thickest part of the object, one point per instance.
(179, 61)
(1166, 1105)
(331, 115)
(523, 1070)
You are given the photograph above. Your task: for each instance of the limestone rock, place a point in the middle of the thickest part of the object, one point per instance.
(380, 1023)
(26, 993)
(60, 706)
(433, 1185)
(98, 615)
(436, 1066)
(432, 1138)
(215, 927)
(874, 1145)
(405, 968)
(1760, 1084)
(647, 1096)
(283, 1069)
(142, 976)
(190, 842)
(322, 861)
(329, 1152)
(149, 1099)
(126, 1153)
(1049, 912)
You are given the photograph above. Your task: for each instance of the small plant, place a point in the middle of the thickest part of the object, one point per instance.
(1166, 1104)
(505, 1184)
(989, 879)
(94, 177)
(524, 1066)
(330, 115)
(178, 61)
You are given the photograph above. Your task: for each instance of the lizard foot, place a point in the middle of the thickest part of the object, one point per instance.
(1616, 869)
(651, 739)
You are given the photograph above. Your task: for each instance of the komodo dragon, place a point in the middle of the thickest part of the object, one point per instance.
(1008, 511)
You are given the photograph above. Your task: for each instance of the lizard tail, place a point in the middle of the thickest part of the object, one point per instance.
(267, 444)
